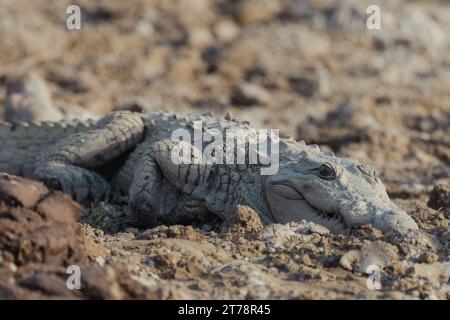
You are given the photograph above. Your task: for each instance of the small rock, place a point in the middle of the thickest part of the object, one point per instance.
(306, 85)
(100, 260)
(133, 231)
(194, 13)
(440, 197)
(253, 11)
(429, 257)
(349, 259)
(431, 296)
(55, 203)
(101, 283)
(12, 267)
(28, 99)
(415, 293)
(148, 282)
(376, 253)
(184, 232)
(171, 259)
(51, 284)
(306, 260)
(432, 271)
(289, 235)
(319, 229)
(22, 191)
(200, 37)
(248, 94)
(396, 295)
(245, 223)
(226, 30)
(399, 267)
(144, 28)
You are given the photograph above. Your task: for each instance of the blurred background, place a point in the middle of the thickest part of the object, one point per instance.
(310, 68)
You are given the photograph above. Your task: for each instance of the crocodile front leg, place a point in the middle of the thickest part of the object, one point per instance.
(67, 164)
(156, 193)
(146, 188)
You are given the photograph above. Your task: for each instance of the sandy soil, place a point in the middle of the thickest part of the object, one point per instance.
(310, 68)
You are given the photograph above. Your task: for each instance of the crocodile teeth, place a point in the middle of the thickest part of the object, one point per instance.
(333, 221)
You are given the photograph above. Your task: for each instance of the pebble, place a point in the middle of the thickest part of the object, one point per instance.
(253, 11)
(377, 253)
(200, 37)
(248, 94)
(226, 30)
(28, 99)
(100, 260)
(349, 259)
(396, 295)
(12, 267)
(319, 229)
(306, 260)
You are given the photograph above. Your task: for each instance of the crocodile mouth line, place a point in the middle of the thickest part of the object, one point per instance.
(332, 220)
(329, 215)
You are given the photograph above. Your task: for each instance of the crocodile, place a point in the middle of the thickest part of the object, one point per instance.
(128, 155)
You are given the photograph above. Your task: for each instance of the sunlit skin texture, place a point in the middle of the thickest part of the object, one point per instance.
(338, 193)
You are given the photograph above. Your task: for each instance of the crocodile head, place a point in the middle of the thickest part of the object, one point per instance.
(338, 193)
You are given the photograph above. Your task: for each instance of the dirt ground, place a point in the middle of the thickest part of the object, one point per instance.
(308, 67)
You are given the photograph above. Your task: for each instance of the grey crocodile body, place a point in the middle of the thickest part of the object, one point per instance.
(336, 192)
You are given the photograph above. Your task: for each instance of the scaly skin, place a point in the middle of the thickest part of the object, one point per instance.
(21, 143)
(338, 193)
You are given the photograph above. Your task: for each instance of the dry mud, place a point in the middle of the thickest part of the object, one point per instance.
(310, 68)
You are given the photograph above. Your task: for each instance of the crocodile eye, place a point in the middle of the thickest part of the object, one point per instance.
(326, 171)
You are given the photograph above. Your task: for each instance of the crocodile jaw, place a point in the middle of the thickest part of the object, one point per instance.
(286, 210)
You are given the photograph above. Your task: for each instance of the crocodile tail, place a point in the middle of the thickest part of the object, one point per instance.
(21, 143)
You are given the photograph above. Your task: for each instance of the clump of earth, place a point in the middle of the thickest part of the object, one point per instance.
(310, 68)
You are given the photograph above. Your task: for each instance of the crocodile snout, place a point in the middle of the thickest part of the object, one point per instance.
(395, 220)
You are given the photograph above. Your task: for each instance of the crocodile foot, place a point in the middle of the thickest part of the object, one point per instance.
(84, 185)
